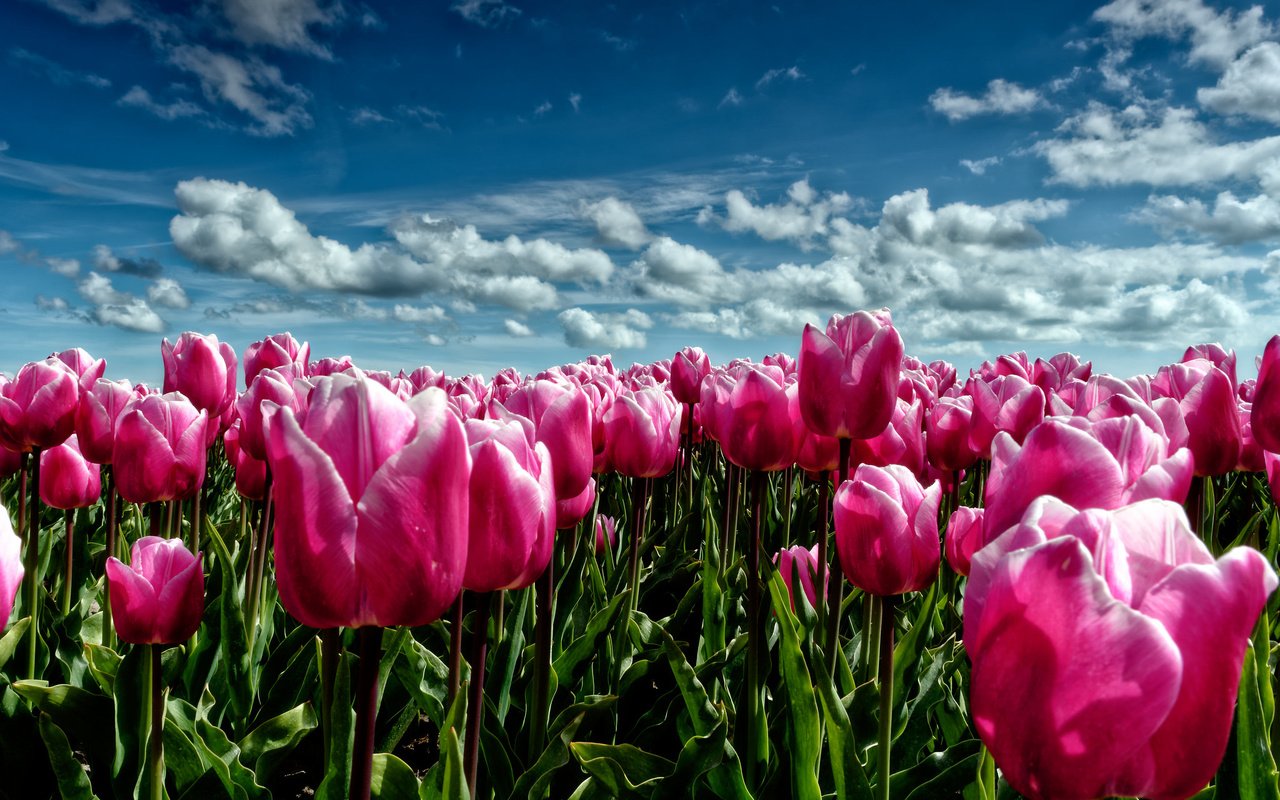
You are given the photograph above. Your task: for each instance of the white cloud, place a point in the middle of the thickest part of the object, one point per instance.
(133, 315)
(55, 72)
(67, 267)
(517, 329)
(1216, 38)
(680, 273)
(282, 23)
(419, 315)
(543, 109)
(603, 330)
(368, 116)
(1001, 97)
(252, 86)
(1231, 220)
(51, 303)
(1249, 87)
(1103, 146)
(137, 97)
(617, 223)
(908, 217)
(792, 73)
(486, 13)
(806, 214)
(981, 165)
(167, 293)
(97, 289)
(575, 100)
(731, 98)
(104, 260)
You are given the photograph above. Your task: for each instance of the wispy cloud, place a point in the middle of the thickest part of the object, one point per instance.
(54, 71)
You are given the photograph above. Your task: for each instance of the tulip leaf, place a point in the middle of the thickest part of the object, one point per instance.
(233, 640)
(131, 727)
(104, 663)
(587, 645)
(73, 783)
(272, 741)
(392, 779)
(507, 659)
(714, 617)
(906, 655)
(624, 769)
(82, 715)
(804, 732)
(436, 783)
(292, 671)
(15, 636)
(940, 774)
(426, 678)
(337, 775)
(846, 767)
(1257, 769)
(455, 781)
(700, 755)
(537, 779)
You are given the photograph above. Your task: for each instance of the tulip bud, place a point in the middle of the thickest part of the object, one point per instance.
(848, 378)
(159, 596)
(67, 480)
(802, 561)
(606, 533)
(159, 451)
(964, 537)
(688, 368)
(887, 530)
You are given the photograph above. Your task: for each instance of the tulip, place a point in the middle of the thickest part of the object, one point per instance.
(159, 451)
(38, 407)
(1208, 402)
(964, 538)
(159, 596)
(848, 377)
(1266, 399)
(572, 511)
(901, 442)
(203, 369)
(800, 561)
(1107, 649)
(947, 433)
(887, 530)
(754, 411)
(67, 480)
(561, 417)
(606, 533)
(1008, 403)
(87, 368)
(325, 367)
(251, 473)
(11, 570)
(279, 351)
(96, 417)
(372, 498)
(642, 433)
(688, 368)
(267, 385)
(10, 462)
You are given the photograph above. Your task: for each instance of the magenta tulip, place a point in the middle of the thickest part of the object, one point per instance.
(96, 417)
(1008, 403)
(887, 530)
(574, 510)
(38, 407)
(1107, 649)
(1266, 399)
(279, 351)
(561, 416)
(1207, 398)
(964, 537)
(325, 367)
(251, 473)
(848, 377)
(802, 561)
(11, 570)
(901, 442)
(947, 433)
(203, 369)
(513, 499)
(67, 480)
(87, 368)
(159, 596)
(688, 368)
(606, 533)
(642, 433)
(159, 451)
(756, 416)
(268, 385)
(371, 492)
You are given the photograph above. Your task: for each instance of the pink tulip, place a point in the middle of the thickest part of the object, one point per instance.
(513, 512)
(1107, 649)
(279, 351)
(561, 416)
(38, 407)
(325, 367)
(1250, 453)
(160, 449)
(372, 500)
(1104, 464)
(96, 417)
(817, 453)
(574, 510)
(606, 533)
(251, 473)
(901, 442)
(67, 480)
(1266, 399)
(87, 368)
(848, 377)
(688, 368)
(424, 377)
(1208, 402)
(887, 530)
(802, 561)
(642, 433)
(203, 369)
(11, 570)
(1272, 463)
(268, 386)
(159, 596)
(1008, 403)
(963, 538)
(755, 415)
(10, 462)
(947, 433)
(1217, 355)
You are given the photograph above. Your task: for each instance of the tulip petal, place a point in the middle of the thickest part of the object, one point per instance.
(180, 602)
(133, 603)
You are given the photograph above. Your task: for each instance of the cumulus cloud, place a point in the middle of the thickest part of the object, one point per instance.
(486, 13)
(419, 315)
(617, 223)
(1216, 37)
(252, 86)
(981, 165)
(105, 260)
(51, 303)
(604, 330)
(282, 23)
(806, 214)
(116, 308)
(167, 293)
(517, 329)
(1229, 220)
(1249, 87)
(1001, 97)
(67, 267)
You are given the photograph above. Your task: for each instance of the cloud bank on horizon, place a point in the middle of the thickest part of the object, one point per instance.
(301, 164)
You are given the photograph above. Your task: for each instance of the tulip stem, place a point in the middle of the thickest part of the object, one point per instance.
(455, 649)
(22, 498)
(545, 589)
(835, 589)
(253, 588)
(824, 526)
(887, 605)
(475, 708)
(330, 645)
(638, 494)
(156, 739)
(32, 566)
(108, 636)
(69, 525)
(369, 644)
(757, 735)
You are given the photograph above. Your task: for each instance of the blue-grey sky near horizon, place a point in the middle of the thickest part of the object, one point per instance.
(478, 183)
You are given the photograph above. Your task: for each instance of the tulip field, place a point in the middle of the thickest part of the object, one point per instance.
(842, 573)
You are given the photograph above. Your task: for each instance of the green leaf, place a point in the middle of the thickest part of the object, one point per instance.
(337, 776)
(537, 779)
(15, 636)
(81, 715)
(392, 779)
(455, 782)
(846, 767)
(804, 732)
(426, 678)
(130, 728)
(1257, 769)
(588, 644)
(272, 741)
(507, 658)
(940, 774)
(73, 783)
(624, 769)
(700, 755)
(104, 663)
(907, 652)
(233, 639)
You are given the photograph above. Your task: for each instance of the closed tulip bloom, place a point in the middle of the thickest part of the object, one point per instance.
(1208, 402)
(1104, 464)
(756, 415)
(11, 570)
(574, 510)
(1250, 452)
(887, 530)
(817, 453)
(848, 377)
(268, 385)
(642, 433)
(513, 512)
(278, 351)
(67, 480)
(96, 416)
(1266, 399)
(688, 368)
(373, 505)
(802, 561)
(606, 533)
(964, 538)
(1007, 403)
(425, 377)
(1217, 355)
(87, 368)
(159, 596)
(160, 449)
(1107, 649)
(251, 474)
(947, 433)
(901, 442)
(203, 369)
(561, 416)
(327, 366)
(10, 462)
(38, 407)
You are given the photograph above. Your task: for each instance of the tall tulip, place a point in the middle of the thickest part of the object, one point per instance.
(1266, 398)
(887, 530)
(67, 480)
(203, 369)
(1107, 649)
(561, 417)
(96, 416)
(754, 409)
(1207, 398)
(848, 377)
(11, 570)
(688, 368)
(159, 451)
(277, 351)
(642, 430)
(87, 368)
(38, 407)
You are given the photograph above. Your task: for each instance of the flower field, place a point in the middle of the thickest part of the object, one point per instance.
(844, 573)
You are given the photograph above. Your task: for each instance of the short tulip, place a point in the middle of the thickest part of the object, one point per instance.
(964, 537)
(887, 530)
(801, 561)
(159, 596)
(606, 533)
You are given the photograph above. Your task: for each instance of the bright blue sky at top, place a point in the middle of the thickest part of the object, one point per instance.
(480, 183)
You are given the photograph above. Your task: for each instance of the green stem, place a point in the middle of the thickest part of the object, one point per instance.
(32, 566)
(887, 605)
(369, 642)
(69, 525)
(455, 650)
(155, 758)
(824, 527)
(108, 634)
(330, 647)
(475, 709)
(835, 591)
(542, 659)
(874, 608)
(757, 735)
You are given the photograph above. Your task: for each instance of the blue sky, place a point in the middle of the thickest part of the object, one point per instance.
(480, 183)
